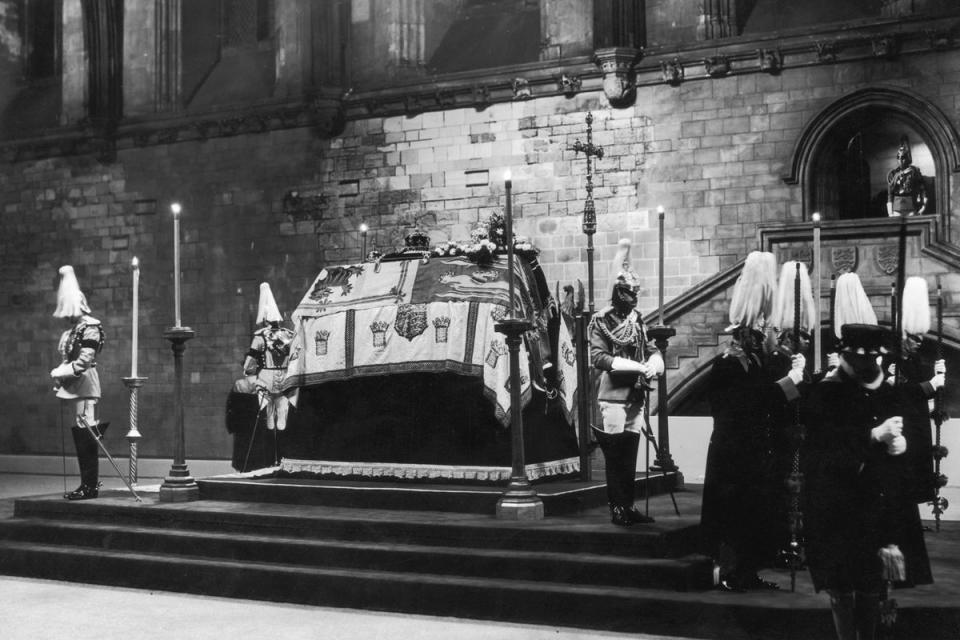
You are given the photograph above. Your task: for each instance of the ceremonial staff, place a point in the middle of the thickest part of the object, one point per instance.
(898, 312)
(795, 479)
(939, 417)
(815, 331)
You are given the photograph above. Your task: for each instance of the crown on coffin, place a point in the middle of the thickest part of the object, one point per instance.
(417, 239)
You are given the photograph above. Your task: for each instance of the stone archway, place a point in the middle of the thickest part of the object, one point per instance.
(841, 158)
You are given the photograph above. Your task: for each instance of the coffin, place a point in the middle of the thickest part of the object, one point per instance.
(397, 370)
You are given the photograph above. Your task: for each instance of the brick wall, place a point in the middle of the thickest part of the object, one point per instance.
(712, 153)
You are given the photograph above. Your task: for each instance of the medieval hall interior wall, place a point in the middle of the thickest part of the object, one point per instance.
(712, 152)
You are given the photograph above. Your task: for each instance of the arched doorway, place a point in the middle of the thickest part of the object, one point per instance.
(843, 156)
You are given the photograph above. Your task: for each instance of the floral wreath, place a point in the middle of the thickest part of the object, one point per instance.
(487, 240)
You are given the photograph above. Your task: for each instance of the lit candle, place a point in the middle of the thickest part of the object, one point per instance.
(660, 303)
(363, 240)
(815, 330)
(136, 314)
(508, 238)
(175, 208)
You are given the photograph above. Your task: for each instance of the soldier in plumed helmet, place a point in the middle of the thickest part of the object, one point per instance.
(76, 380)
(266, 361)
(906, 192)
(620, 349)
(742, 483)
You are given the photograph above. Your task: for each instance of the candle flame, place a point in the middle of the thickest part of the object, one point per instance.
(364, 228)
(506, 175)
(816, 217)
(135, 263)
(175, 208)
(660, 208)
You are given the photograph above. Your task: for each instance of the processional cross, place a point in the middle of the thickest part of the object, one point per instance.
(590, 150)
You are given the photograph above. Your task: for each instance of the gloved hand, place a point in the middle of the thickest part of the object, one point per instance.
(892, 374)
(626, 364)
(887, 430)
(797, 365)
(897, 446)
(937, 381)
(63, 372)
(940, 366)
(833, 360)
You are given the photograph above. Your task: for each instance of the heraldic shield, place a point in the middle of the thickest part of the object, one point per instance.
(411, 320)
(843, 259)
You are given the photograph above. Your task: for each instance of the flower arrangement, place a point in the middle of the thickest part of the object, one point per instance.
(487, 240)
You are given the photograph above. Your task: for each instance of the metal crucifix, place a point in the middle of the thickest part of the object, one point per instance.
(589, 212)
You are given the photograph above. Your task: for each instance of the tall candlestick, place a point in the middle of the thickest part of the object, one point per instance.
(363, 241)
(815, 330)
(508, 238)
(660, 302)
(136, 317)
(175, 208)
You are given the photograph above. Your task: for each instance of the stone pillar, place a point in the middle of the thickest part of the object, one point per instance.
(74, 76)
(566, 28)
(718, 19)
(103, 39)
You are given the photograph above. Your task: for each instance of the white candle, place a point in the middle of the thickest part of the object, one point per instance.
(175, 208)
(136, 313)
(508, 238)
(660, 301)
(815, 330)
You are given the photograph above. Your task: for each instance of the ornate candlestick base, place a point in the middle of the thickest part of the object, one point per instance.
(520, 501)
(178, 486)
(133, 383)
(661, 337)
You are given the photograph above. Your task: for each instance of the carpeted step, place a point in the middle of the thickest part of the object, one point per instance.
(672, 539)
(693, 572)
(617, 608)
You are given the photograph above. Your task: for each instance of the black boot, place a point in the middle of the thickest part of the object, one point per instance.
(89, 462)
(842, 607)
(630, 443)
(867, 614)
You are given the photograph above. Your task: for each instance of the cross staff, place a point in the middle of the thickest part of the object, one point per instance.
(939, 503)
(589, 212)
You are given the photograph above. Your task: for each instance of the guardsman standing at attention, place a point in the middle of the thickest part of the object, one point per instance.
(267, 360)
(628, 360)
(76, 380)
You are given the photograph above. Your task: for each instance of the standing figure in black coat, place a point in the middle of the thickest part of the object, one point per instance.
(743, 484)
(858, 516)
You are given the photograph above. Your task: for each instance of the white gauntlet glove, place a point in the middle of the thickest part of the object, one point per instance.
(626, 364)
(63, 372)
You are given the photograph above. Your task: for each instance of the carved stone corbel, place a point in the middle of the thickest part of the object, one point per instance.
(671, 71)
(717, 66)
(619, 80)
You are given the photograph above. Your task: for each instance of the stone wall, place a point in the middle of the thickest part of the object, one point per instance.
(711, 152)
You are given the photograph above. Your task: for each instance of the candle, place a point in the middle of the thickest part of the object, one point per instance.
(660, 304)
(815, 330)
(508, 238)
(363, 240)
(136, 313)
(175, 208)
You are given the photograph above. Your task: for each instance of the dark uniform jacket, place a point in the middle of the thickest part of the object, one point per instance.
(743, 483)
(855, 502)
